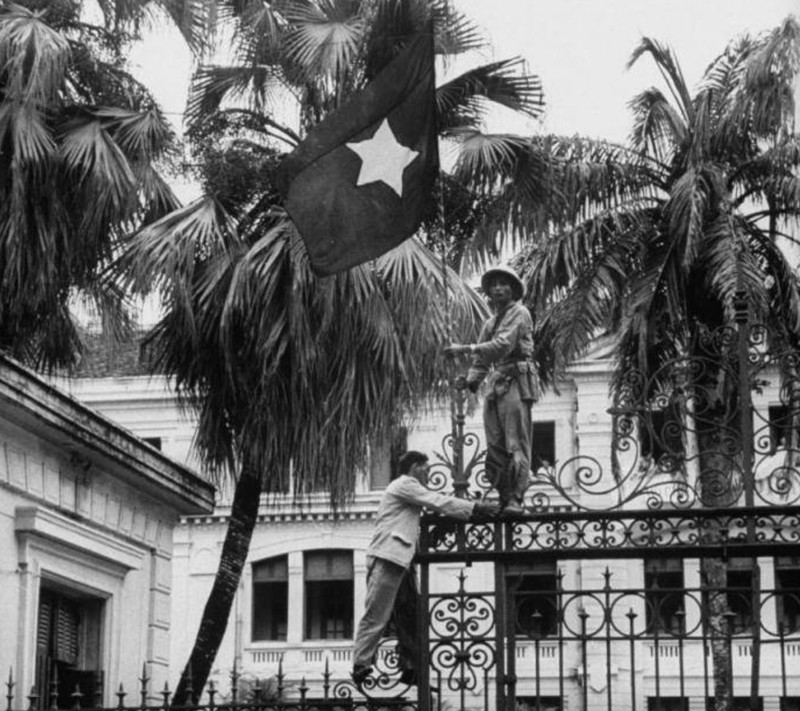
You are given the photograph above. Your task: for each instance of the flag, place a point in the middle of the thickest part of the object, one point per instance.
(359, 183)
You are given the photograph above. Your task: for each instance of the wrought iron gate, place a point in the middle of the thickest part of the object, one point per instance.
(665, 577)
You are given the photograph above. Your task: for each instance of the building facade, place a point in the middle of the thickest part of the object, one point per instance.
(87, 516)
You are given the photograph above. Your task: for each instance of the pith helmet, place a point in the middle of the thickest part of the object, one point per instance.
(517, 287)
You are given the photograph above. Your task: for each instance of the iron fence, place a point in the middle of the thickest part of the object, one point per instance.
(268, 692)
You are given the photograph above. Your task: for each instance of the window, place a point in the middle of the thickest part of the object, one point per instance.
(661, 435)
(740, 591)
(68, 645)
(270, 599)
(780, 427)
(787, 598)
(667, 703)
(663, 582)
(738, 595)
(740, 578)
(534, 588)
(543, 445)
(328, 579)
(740, 703)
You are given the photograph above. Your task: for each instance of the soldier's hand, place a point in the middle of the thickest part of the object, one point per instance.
(455, 349)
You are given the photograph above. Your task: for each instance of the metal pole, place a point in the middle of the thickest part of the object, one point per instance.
(460, 477)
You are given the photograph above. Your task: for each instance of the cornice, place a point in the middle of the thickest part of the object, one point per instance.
(57, 417)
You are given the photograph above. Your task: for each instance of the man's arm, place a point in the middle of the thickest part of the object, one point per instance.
(412, 492)
(479, 368)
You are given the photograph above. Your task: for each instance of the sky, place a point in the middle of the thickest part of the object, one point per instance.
(578, 48)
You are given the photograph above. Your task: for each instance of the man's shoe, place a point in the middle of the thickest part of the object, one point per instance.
(512, 509)
(359, 675)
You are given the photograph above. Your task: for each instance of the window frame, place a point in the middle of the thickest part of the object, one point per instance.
(328, 595)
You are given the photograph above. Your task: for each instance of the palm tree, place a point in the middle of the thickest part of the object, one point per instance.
(652, 241)
(291, 375)
(80, 145)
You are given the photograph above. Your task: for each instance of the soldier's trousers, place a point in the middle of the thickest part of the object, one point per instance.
(508, 428)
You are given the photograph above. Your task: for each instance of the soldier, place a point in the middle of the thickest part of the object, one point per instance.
(503, 356)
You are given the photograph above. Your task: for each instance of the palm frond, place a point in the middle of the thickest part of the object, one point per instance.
(34, 57)
(324, 37)
(657, 126)
(670, 69)
(769, 80)
(502, 83)
(92, 156)
(213, 85)
(686, 209)
(25, 129)
(140, 134)
(551, 266)
(724, 74)
(455, 33)
(169, 250)
(485, 159)
(195, 19)
(730, 265)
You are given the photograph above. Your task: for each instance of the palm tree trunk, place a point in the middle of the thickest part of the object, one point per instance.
(718, 488)
(241, 523)
(714, 572)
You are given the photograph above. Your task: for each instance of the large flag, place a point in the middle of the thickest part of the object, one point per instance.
(359, 183)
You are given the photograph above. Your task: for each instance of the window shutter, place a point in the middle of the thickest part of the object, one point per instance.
(45, 623)
(66, 632)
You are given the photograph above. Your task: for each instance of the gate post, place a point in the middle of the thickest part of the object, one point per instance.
(740, 305)
(460, 476)
(503, 701)
(423, 630)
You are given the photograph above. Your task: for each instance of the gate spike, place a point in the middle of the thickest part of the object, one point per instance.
(143, 681)
(326, 676)
(99, 688)
(190, 684)
(212, 692)
(33, 699)
(76, 697)
(234, 683)
(121, 697)
(10, 686)
(54, 689)
(280, 677)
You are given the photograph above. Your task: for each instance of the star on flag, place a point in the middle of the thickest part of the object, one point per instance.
(383, 158)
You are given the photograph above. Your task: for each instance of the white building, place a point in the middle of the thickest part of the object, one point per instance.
(87, 516)
(303, 587)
